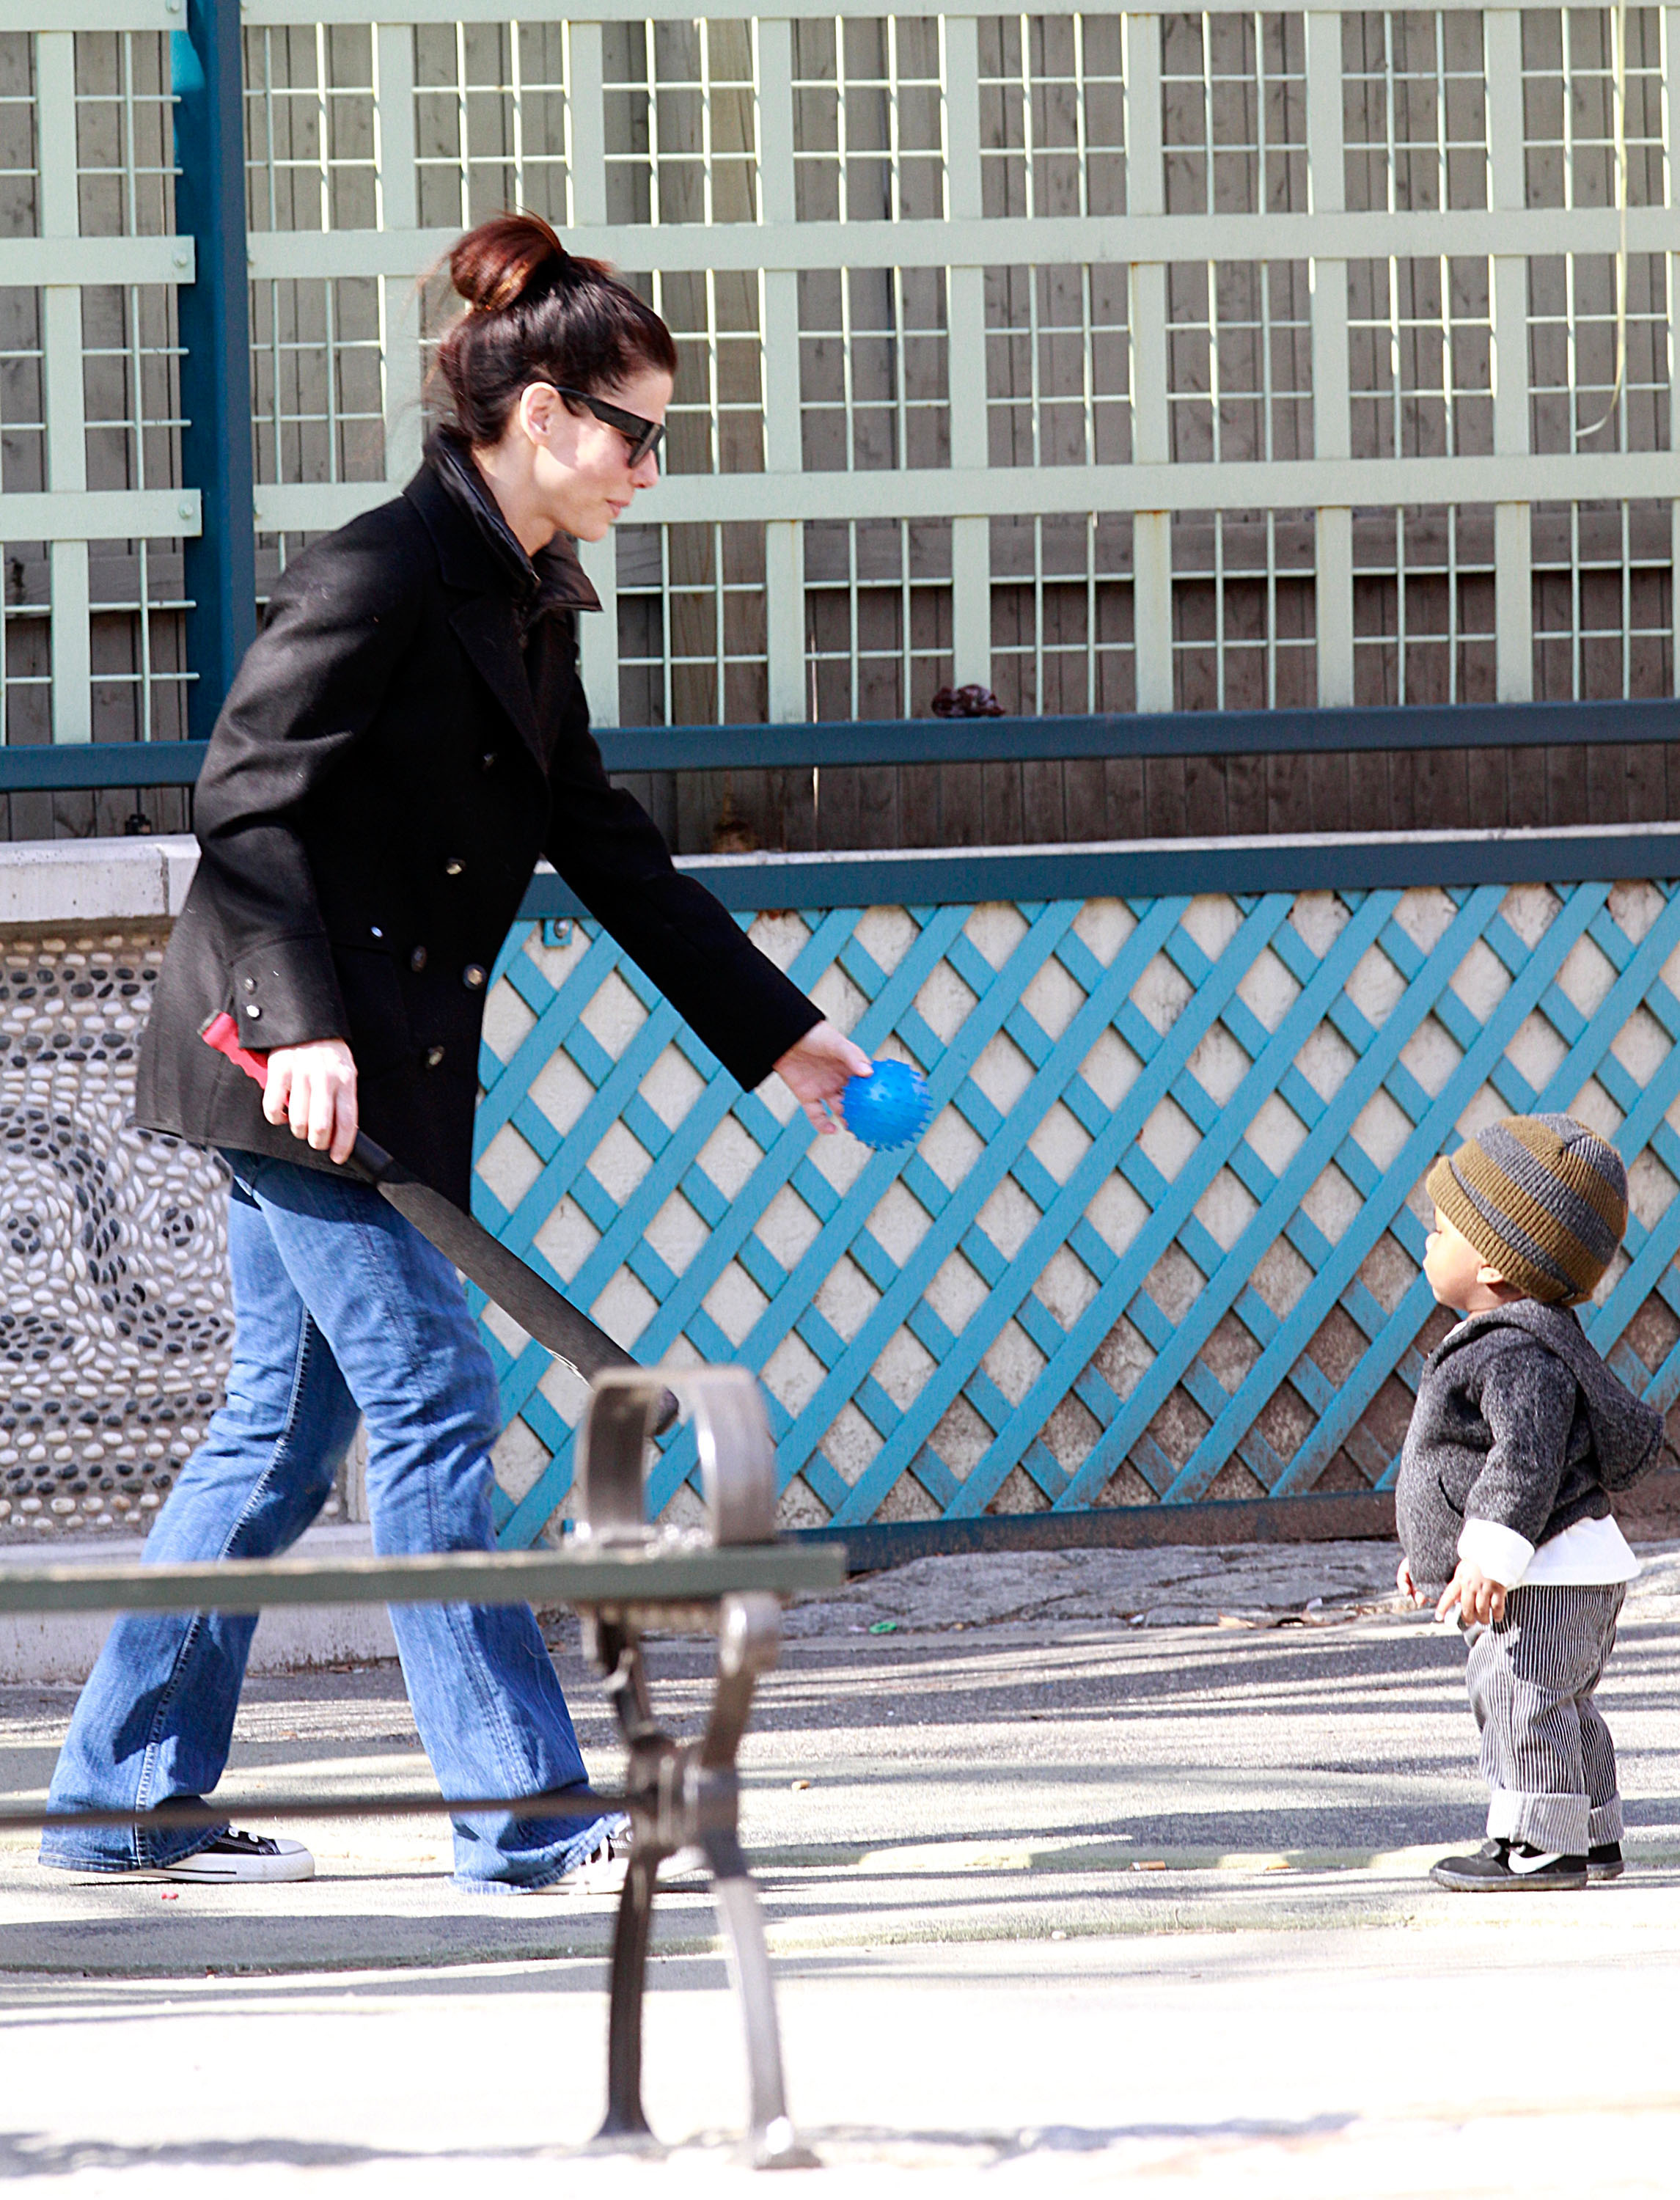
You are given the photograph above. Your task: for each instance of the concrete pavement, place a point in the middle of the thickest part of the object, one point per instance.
(1065, 1897)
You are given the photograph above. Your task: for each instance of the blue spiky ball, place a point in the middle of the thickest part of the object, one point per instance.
(888, 1107)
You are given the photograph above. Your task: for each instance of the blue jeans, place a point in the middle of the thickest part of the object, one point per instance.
(340, 1307)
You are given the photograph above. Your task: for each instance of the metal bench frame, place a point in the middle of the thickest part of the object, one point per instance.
(685, 1795)
(626, 1578)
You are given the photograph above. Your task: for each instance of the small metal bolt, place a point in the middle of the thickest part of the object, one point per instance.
(184, 507)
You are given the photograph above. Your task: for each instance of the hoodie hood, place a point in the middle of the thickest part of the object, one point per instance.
(1627, 1433)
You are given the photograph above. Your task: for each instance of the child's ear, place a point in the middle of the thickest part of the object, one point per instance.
(1493, 1281)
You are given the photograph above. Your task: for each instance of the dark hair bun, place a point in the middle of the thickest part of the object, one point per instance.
(536, 312)
(508, 257)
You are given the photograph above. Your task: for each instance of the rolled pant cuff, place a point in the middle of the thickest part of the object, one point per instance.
(1604, 1823)
(1557, 1823)
(109, 1849)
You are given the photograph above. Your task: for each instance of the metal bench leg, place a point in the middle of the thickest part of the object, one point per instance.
(771, 2141)
(625, 2125)
(682, 1793)
(749, 1635)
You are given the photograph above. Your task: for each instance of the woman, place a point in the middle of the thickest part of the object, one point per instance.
(404, 740)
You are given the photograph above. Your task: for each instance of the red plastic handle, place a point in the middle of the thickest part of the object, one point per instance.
(222, 1034)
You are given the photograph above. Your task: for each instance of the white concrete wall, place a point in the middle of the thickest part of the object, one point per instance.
(43, 1649)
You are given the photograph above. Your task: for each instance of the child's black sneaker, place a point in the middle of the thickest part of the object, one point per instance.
(1604, 1860)
(1499, 1865)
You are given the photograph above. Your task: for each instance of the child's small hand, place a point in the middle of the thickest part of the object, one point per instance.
(1404, 1583)
(1480, 1600)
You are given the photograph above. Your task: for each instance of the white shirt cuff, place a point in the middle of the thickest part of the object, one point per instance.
(1501, 1553)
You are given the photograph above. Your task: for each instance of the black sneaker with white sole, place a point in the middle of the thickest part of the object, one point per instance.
(1513, 1867)
(1604, 1860)
(605, 1868)
(599, 1870)
(244, 1859)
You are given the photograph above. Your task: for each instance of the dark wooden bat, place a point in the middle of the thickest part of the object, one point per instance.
(536, 1306)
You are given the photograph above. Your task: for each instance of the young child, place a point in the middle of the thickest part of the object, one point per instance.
(1519, 1430)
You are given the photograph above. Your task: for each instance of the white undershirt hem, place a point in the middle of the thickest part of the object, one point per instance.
(1500, 1552)
(1592, 1554)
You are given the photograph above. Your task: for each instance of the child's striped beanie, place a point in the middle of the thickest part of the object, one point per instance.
(1542, 1198)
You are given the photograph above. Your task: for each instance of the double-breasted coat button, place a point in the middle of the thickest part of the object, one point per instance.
(250, 985)
(473, 976)
(452, 867)
(377, 931)
(417, 961)
(251, 1009)
(487, 761)
(434, 1055)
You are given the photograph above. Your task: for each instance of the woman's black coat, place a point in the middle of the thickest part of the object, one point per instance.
(405, 738)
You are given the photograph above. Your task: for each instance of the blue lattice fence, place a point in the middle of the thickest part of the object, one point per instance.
(1162, 1240)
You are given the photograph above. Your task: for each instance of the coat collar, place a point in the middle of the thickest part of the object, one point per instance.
(501, 592)
(477, 550)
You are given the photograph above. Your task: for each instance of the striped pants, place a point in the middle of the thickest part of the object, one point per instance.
(1547, 1754)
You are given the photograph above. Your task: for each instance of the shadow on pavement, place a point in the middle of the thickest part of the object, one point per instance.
(27, 2154)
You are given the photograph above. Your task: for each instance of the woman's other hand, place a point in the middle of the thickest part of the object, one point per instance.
(818, 1070)
(313, 1088)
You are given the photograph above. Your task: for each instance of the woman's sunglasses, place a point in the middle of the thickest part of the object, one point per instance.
(643, 437)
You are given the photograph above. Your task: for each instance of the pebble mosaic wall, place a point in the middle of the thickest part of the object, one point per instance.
(115, 1326)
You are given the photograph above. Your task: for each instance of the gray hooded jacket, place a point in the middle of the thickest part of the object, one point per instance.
(1517, 1421)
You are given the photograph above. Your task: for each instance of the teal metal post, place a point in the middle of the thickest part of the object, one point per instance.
(208, 82)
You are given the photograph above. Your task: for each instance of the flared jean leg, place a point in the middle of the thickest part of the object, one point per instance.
(340, 1307)
(156, 1719)
(486, 1701)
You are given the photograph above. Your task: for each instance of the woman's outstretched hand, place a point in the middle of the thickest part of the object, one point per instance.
(818, 1070)
(313, 1088)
